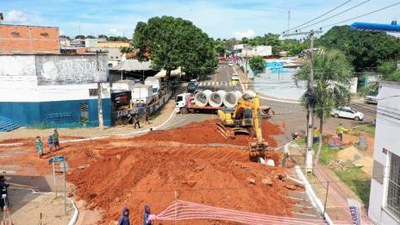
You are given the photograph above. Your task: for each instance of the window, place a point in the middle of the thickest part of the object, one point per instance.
(93, 92)
(393, 198)
(84, 113)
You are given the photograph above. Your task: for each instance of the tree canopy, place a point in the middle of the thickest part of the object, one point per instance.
(364, 49)
(173, 42)
(268, 39)
(102, 36)
(80, 37)
(257, 64)
(118, 38)
(90, 36)
(390, 70)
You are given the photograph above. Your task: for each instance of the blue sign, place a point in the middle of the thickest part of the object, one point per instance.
(57, 159)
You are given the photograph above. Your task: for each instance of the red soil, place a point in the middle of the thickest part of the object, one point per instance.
(155, 168)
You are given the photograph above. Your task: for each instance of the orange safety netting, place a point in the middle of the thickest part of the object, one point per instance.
(182, 210)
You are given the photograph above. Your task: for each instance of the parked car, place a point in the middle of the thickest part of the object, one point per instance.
(230, 64)
(347, 112)
(371, 99)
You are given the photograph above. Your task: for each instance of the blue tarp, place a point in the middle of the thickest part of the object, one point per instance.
(375, 27)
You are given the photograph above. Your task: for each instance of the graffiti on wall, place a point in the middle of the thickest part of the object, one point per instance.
(57, 69)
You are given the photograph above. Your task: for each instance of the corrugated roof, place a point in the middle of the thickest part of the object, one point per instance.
(132, 65)
(375, 27)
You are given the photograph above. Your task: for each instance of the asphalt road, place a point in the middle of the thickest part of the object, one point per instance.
(292, 117)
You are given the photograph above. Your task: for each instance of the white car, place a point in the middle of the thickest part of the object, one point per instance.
(230, 64)
(371, 99)
(347, 112)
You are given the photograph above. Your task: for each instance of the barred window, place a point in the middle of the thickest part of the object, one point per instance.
(393, 199)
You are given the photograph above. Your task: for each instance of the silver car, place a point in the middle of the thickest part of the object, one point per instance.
(347, 112)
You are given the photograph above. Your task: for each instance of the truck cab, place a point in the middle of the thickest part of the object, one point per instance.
(181, 101)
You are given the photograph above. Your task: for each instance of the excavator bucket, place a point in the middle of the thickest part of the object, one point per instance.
(257, 150)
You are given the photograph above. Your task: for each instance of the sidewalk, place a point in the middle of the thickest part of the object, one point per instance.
(74, 133)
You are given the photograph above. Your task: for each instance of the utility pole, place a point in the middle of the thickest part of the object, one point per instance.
(310, 92)
(288, 21)
(99, 93)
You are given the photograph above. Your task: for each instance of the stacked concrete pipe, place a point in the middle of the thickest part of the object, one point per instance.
(202, 98)
(217, 98)
(231, 99)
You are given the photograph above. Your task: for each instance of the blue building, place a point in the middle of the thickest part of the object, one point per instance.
(53, 90)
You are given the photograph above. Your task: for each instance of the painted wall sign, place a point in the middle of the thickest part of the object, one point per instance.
(58, 69)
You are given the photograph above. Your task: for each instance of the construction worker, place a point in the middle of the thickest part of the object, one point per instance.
(50, 142)
(124, 219)
(56, 140)
(315, 135)
(340, 131)
(136, 121)
(39, 146)
(147, 217)
(3, 190)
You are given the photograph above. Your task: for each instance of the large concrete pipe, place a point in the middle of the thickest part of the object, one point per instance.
(249, 94)
(217, 98)
(201, 98)
(232, 98)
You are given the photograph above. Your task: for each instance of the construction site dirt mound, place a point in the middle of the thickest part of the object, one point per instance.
(149, 173)
(162, 166)
(206, 132)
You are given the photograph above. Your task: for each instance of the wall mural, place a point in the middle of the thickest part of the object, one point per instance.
(55, 69)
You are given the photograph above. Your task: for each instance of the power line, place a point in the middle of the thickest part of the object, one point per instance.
(337, 14)
(366, 14)
(319, 16)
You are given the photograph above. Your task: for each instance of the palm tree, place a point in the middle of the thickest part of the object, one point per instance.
(332, 77)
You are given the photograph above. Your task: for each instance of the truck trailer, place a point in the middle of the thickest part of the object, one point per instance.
(184, 103)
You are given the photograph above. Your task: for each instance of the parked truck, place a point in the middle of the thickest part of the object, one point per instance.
(184, 103)
(142, 93)
(155, 82)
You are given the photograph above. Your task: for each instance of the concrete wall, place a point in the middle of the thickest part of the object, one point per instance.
(386, 143)
(33, 95)
(28, 39)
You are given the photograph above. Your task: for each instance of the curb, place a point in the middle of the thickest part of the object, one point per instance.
(75, 217)
(315, 201)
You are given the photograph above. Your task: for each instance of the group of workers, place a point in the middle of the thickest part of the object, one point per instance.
(53, 142)
(147, 217)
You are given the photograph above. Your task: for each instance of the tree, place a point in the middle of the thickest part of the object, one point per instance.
(293, 46)
(364, 49)
(257, 64)
(65, 36)
(268, 39)
(332, 76)
(80, 37)
(173, 42)
(90, 37)
(102, 36)
(390, 70)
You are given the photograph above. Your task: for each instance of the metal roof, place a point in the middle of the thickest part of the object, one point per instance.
(132, 65)
(375, 27)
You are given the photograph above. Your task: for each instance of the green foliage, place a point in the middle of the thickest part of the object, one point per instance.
(118, 38)
(103, 36)
(368, 128)
(364, 49)
(358, 181)
(173, 42)
(65, 36)
(389, 70)
(293, 46)
(80, 37)
(327, 154)
(221, 46)
(268, 39)
(90, 37)
(257, 64)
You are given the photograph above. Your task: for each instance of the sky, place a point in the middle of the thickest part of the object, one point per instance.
(218, 18)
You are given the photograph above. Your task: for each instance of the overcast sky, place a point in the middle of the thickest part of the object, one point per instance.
(219, 18)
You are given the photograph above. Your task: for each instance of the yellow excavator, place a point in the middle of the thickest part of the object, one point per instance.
(245, 118)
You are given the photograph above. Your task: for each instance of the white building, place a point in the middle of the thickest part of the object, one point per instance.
(53, 90)
(384, 205)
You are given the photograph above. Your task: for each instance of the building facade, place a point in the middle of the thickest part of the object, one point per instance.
(53, 90)
(21, 39)
(384, 205)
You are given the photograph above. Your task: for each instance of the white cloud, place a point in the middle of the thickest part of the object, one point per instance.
(15, 16)
(248, 33)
